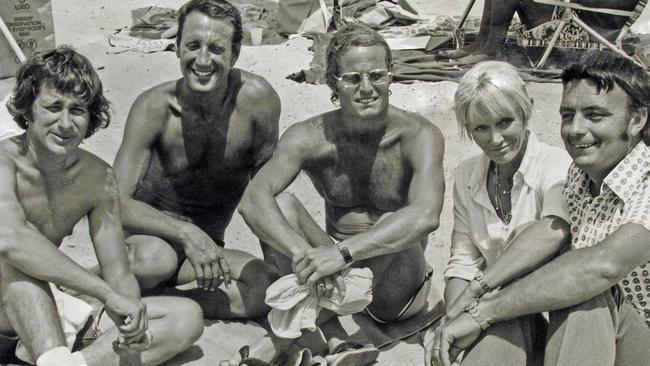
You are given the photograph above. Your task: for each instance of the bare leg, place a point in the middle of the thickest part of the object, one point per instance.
(481, 37)
(154, 263)
(396, 276)
(29, 310)
(175, 324)
(245, 296)
(153, 260)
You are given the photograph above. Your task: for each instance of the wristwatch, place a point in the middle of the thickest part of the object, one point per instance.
(480, 278)
(345, 253)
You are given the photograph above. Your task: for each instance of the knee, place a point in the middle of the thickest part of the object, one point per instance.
(258, 276)
(153, 255)
(16, 291)
(187, 313)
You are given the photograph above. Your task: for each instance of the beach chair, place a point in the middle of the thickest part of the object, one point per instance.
(458, 35)
(568, 30)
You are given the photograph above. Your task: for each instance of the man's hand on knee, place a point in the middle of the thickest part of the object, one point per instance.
(130, 317)
(208, 260)
(316, 263)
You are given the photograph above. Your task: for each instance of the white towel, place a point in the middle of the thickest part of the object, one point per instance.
(295, 306)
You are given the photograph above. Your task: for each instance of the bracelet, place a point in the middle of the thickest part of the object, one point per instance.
(473, 310)
(480, 278)
(345, 253)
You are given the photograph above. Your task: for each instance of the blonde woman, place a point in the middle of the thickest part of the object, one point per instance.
(516, 180)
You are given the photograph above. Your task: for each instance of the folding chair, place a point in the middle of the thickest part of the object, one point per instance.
(567, 30)
(459, 36)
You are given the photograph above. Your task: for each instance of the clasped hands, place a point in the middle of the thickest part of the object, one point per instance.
(320, 266)
(457, 331)
(130, 316)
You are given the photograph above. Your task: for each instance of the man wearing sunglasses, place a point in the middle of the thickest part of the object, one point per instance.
(379, 170)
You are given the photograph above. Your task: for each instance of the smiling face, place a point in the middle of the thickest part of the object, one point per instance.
(205, 51)
(367, 100)
(501, 137)
(598, 128)
(58, 122)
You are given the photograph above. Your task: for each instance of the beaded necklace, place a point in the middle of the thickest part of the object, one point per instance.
(498, 191)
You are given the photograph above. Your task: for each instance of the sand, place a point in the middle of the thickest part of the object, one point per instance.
(126, 75)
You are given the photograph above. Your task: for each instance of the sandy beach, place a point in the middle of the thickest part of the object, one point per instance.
(86, 26)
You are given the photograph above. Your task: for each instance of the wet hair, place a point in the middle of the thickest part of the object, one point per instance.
(69, 73)
(215, 9)
(607, 69)
(491, 89)
(352, 35)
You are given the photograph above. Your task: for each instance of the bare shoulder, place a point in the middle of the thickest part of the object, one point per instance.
(414, 128)
(10, 151)
(257, 93)
(307, 138)
(96, 175)
(155, 103)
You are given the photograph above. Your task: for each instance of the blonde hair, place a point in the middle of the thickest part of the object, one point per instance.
(491, 89)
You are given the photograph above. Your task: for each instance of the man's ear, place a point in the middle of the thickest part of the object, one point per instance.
(638, 119)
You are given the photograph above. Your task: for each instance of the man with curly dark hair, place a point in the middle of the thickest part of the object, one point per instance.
(47, 185)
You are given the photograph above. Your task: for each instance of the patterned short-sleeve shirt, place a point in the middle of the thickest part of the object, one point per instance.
(624, 198)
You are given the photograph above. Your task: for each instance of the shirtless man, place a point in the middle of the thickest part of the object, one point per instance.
(379, 169)
(190, 148)
(47, 185)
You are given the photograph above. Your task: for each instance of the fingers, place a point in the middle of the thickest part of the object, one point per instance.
(134, 325)
(435, 348)
(320, 288)
(340, 283)
(225, 271)
(444, 352)
(329, 286)
(208, 276)
(453, 353)
(216, 276)
(198, 272)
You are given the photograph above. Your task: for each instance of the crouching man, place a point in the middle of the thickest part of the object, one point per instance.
(47, 185)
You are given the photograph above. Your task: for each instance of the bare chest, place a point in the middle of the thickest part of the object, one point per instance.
(53, 206)
(354, 176)
(220, 146)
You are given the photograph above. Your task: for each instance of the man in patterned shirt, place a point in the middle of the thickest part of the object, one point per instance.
(604, 113)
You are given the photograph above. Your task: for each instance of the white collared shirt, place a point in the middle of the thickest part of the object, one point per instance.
(479, 236)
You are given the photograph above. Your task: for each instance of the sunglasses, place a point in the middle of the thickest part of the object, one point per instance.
(379, 76)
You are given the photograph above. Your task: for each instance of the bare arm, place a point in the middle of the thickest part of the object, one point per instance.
(573, 277)
(106, 233)
(266, 118)
(142, 128)
(421, 215)
(258, 206)
(24, 247)
(105, 229)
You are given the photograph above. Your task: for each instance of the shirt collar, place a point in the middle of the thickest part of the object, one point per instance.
(630, 170)
(526, 168)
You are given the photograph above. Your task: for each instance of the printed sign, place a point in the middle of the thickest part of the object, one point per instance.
(30, 22)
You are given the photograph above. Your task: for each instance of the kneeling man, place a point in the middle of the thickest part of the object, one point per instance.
(47, 185)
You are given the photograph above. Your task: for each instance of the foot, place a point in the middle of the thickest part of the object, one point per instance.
(454, 54)
(473, 59)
